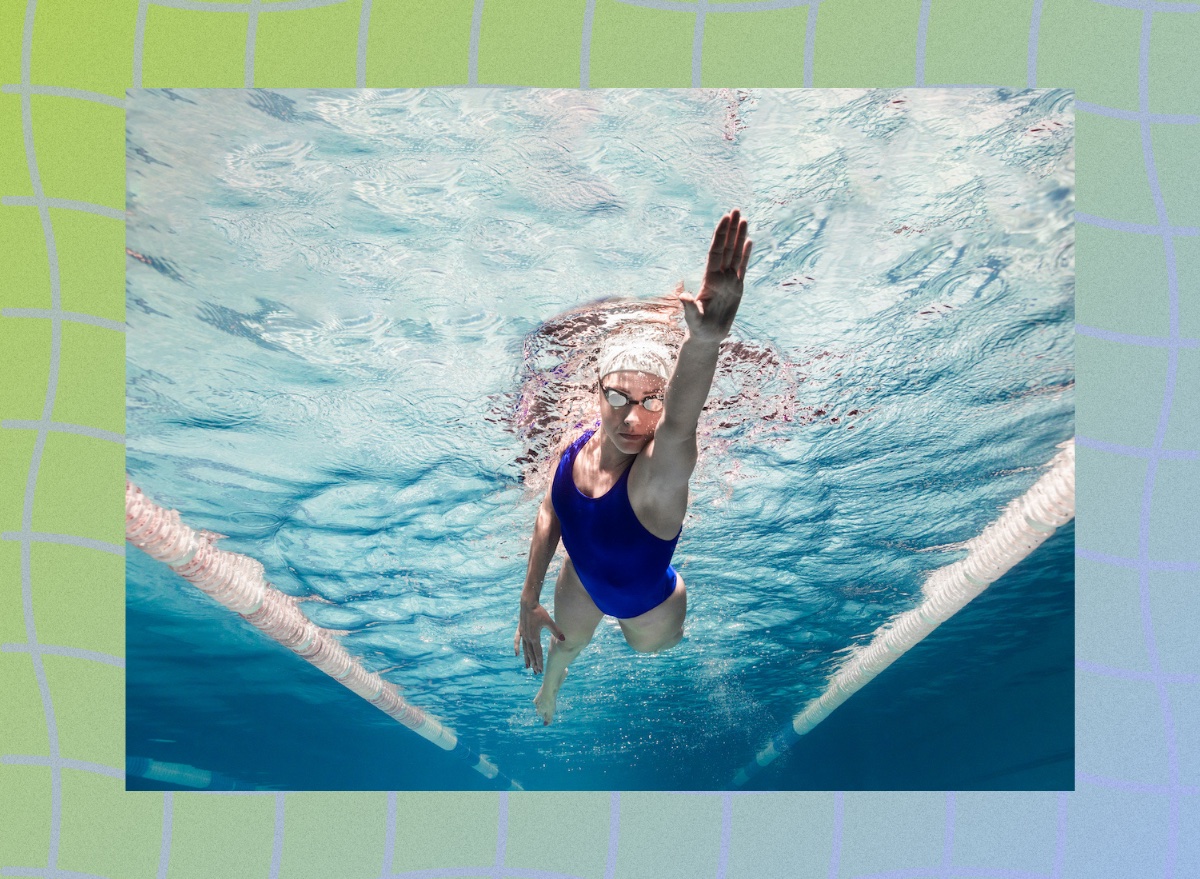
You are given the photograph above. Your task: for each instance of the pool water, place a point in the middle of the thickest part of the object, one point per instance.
(359, 328)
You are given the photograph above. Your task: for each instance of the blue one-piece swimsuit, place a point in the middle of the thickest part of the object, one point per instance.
(624, 568)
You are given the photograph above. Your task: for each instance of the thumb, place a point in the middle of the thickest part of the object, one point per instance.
(556, 630)
(690, 305)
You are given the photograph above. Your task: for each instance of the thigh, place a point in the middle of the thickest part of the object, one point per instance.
(660, 626)
(574, 610)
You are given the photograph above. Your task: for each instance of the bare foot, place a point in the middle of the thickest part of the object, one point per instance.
(547, 697)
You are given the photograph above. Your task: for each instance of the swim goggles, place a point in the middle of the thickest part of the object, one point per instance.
(619, 401)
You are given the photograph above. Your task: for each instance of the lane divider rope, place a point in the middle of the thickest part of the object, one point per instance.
(236, 581)
(1023, 526)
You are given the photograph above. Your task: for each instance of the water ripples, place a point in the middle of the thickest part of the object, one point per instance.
(372, 323)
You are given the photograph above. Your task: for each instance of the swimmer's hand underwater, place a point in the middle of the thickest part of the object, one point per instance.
(710, 314)
(534, 618)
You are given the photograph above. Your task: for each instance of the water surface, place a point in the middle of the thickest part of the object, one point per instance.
(344, 306)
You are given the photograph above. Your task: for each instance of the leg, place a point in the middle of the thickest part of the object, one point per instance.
(577, 616)
(659, 628)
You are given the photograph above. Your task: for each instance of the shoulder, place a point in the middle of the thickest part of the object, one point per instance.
(580, 441)
(569, 449)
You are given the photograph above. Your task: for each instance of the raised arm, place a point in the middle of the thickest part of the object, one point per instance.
(709, 316)
(534, 616)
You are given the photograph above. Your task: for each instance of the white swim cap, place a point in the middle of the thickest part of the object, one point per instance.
(630, 352)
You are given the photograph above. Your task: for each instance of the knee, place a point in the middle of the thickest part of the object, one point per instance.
(573, 644)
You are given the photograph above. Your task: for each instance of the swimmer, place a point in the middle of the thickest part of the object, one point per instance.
(619, 494)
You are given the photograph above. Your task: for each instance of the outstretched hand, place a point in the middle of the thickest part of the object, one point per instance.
(529, 634)
(710, 313)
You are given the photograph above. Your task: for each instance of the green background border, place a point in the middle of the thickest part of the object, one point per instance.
(64, 68)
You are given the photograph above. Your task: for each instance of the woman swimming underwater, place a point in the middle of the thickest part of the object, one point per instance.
(619, 494)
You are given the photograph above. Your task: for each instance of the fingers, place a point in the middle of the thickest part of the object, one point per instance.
(533, 652)
(741, 272)
(729, 241)
(735, 231)
(519, 645)
(739, 246)
(716, 250)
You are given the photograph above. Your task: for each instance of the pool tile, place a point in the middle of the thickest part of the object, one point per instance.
(1009, 830)
(1121, 281)
(186, 48)
(333, 834)
(1175, 150)
(25, 841)
(1184, 701)
(577, 822)
(1119, 731)
(91, 378)
(1173, 511)
(531, 45)
(12, 603)
(637, 46)
(107, 832)
(415, 43)
(439, 830)
(884, 36)
(1108, 617)
(1132, 379)
(16, 448)
(24, 265)
(1092, 48)
(888, 831)
(80, 150)
(23, 724)
(316, 46)
(1174, 86)
(26, 369)
(1113, 833)
(1187, 263)
(12, 34)
(668, 836)
(78, 597)
(89, 709)
(80, 490)
(84, 44)
(91, 263)
(777, 36)
(781, 834)
(1108, 502)
(978, 43)
(221, 836)
(14, 167)
(1174, 609)
(1111, 170)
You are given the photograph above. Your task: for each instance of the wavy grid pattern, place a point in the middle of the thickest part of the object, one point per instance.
(66, 64)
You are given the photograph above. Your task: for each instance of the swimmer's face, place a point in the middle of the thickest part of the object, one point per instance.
(630, 427)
